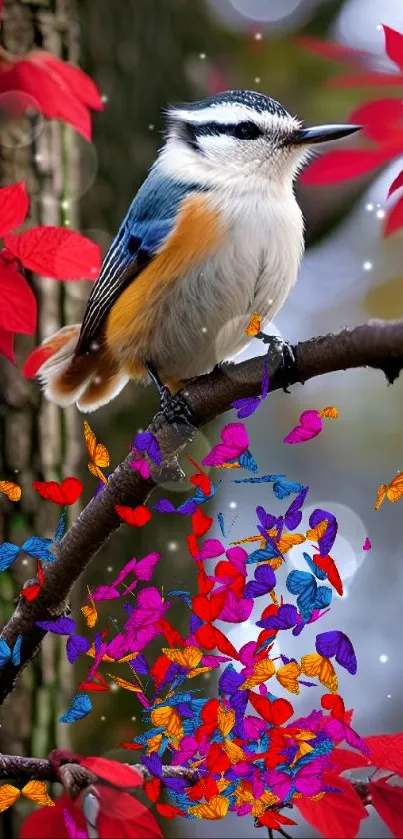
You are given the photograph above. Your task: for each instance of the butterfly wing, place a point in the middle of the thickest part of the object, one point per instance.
(8, 554)
(11, 490)
(79, 707)
(380, 496)
(395, 489)
(337, 644)
(288, 676)
(8, 796)
(254, 325)
(283, 488)
(5, 652)
(314, 665)
(36, 791)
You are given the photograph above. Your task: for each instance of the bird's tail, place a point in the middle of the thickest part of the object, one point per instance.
(90, 379)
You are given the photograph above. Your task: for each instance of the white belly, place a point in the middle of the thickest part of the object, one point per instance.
(203, 320)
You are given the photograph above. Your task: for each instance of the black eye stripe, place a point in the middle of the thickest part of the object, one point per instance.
(246, 130)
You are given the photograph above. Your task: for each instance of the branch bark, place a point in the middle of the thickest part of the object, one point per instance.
(377, 344)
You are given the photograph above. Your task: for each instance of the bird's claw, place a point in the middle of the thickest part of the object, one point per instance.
(282, 353)
(173, 407)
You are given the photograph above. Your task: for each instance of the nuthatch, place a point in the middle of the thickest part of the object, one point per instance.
(214, 234)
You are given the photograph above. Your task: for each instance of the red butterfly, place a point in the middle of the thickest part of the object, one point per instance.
(67, 492)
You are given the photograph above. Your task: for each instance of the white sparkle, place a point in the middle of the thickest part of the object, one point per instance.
(24, 562)
(103, 719)
(172, 546)
(369, 207)
(134, 719)
(140, 430)
(16, 471)
(65, 205)
(97, 380)
(104, 98)
(379, 27)
(380, 213)
(258, 36)
(206, 675)
(383, 658)
(232, 505)
(368, 266)
(151, 126)
(67, 222)
(204, 328)
(113, 687)
(39, 158)
(94, 346)
(202, 56)
(109, 568)
(389, 696)
(257, 80)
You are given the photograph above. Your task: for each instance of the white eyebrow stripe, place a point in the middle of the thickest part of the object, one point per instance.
(229, 114)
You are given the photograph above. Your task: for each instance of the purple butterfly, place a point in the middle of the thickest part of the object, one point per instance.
(285, 618)
(336, 644)
(265, 580)
(247, 406)
(146, 442)
(326, 541)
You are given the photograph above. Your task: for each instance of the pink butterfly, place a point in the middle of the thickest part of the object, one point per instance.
(236, 611)
(310, 425)
(150, 608)
(367, 545)
(72, 829)
(142, 570)
(233, 450)
(308, 781)
(141, 466)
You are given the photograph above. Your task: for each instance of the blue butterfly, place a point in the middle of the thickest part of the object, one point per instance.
(61, 527)
(7, 654)
(79, 707)
(224, 530)
(309, 595)
(270, 551)
(282, 488)
(35, 546)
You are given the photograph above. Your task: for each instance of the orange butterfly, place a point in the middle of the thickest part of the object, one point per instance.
(288, 676)
(253, 327)
(392, 491)
(13, 491)
(329, 413)
(186, 657)
(216, 808)
(34, 790)
(98, 453)
(262, 671)
(90, 613)
(315, 665)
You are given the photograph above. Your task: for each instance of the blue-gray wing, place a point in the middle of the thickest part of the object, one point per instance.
(149, 221)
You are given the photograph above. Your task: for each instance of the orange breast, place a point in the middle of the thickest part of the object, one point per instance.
(198, 234)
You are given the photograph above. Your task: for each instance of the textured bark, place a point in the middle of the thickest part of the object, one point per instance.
(36, 440)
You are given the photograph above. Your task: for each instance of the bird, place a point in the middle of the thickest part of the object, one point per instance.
(214, 234)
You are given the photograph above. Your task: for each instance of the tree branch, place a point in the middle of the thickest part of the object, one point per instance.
(75, 777)
(377, 344)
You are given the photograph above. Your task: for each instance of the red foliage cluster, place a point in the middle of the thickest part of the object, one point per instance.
(53, 251)
(120, 814)
(340, 813)
(381, 119)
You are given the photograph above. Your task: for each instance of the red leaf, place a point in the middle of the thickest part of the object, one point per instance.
(342, 165)
(168, 811)
(14, 205)
(68, 492)
(386, 751)
(201, 523)
(7, 344)
(118, 774)
(382, 120)
(330, 49)
(369, 79)
(54, 98)
(388, 803)
(135, 516)
(18, 304)
(394, 45)
(343, 759)
(336, 814)
(56, 252)
(66, 74)
(152, 789)
(396, 184)
(124, 817)
(394, 219)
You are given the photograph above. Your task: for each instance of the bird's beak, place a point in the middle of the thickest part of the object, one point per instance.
(322, 134)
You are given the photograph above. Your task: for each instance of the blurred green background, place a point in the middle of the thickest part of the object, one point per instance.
(144, 54)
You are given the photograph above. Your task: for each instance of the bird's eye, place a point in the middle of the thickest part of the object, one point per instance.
(247, 131)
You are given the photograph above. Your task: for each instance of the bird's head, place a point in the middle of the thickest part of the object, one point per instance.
(239, 134)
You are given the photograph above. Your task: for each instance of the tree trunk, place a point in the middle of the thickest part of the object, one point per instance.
(37, 440)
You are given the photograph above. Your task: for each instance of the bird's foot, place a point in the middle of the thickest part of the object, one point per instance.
(173, 407)
(281, 354)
